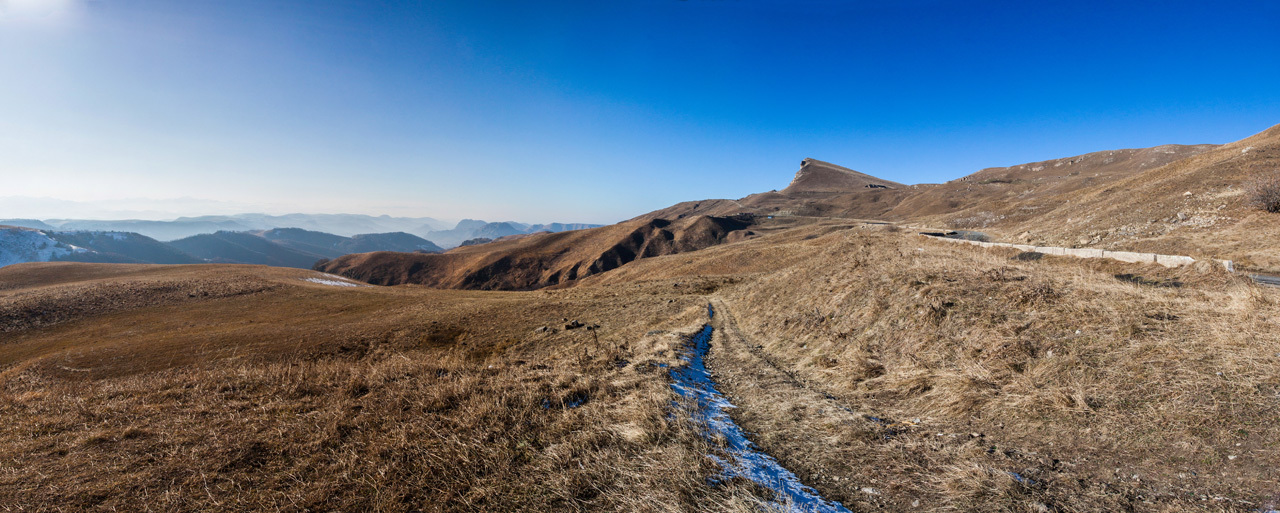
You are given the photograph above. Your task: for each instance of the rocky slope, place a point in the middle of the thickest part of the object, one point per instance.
(543, 259)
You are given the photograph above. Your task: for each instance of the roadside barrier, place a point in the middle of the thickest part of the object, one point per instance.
(1123, 256)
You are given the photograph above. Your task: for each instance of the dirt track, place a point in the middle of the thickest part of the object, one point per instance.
(869, 462)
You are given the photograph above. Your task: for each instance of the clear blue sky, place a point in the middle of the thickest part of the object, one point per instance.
(595, 111)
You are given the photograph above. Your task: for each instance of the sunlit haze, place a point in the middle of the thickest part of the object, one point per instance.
(587, 111)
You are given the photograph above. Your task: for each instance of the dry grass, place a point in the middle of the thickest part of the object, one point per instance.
(306, 397)
(1264, 192)
(1037, 385)
(1053, 369)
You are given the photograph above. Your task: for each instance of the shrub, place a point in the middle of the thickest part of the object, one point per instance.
(1264, 192)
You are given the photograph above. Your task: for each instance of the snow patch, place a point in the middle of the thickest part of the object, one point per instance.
(742, 458)
(333, 283)
(21, 245)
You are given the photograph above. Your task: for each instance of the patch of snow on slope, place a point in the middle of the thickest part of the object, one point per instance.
(19, 245)
(335, 283)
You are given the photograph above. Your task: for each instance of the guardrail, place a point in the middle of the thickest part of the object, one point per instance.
(1123, 256)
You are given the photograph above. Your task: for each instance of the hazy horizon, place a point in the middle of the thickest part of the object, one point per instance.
(103, 211)
(585, 111)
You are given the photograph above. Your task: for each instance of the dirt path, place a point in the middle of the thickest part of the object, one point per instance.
(868, 462)
(736, 455)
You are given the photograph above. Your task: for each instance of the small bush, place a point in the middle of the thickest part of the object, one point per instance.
(1264, 192)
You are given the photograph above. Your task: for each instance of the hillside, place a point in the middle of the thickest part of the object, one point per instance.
(875, 368)
(19, 245)
(330, 246)
(27, 223)
(818, 176)
(121, 247)
(244, 248)
(294, 247)
(542, 259)
(1027, 189)
(1196, 205)
(860, 357)
(1061, 197)
(468, 229)
(819, 189)
(398, 241)
(234, 388)
(1171, 199)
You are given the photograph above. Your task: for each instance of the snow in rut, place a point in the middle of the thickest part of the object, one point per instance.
(742, 458)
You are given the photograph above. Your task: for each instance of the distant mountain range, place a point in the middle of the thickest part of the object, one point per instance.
(237, 239)
(345, 225)
(284, 247)
(338, 224)
(294, 247)
(19, 245)
(471, 229)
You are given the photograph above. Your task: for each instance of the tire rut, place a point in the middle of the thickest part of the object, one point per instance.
(868, 462)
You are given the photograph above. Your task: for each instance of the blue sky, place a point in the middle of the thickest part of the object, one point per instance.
(592, 111)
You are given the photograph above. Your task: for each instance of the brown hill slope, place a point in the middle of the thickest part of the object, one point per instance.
(961, 349)
(306, 396)
(1174, 199)
(542, 259)
(860, 357)
(1028, 189)
(819, 189)
(1194, 205)
(818, 176)
(825, 190)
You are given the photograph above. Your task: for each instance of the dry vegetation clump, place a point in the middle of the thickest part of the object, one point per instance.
(1000, 384)
(306, 397)
(1264, 192)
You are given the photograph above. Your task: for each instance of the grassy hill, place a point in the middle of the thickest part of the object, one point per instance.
(245, 247)
(861, 357)
(542, 259)
(247, 387)
(888, 371)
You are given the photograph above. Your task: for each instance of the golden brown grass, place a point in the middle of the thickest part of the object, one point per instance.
(1053, 369)
(308, 397)
(299, 396)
